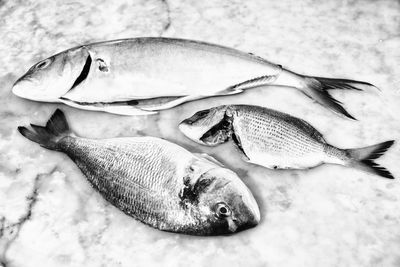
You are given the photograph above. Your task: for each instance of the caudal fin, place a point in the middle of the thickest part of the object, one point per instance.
(48, 136)
(317, 89)
(363, 158)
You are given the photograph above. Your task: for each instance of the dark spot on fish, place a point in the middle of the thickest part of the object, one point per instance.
(275, 167)
(190, 193)
(132, 102)
(186, 180)
(102, 65)
(84, 72)
(219, 133)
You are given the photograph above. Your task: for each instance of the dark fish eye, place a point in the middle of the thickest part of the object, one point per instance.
(43, 64)
(222, 210)
(202, 113)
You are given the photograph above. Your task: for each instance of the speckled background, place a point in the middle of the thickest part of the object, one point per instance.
(327, 216)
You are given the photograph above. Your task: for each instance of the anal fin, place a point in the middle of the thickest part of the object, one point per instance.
(158, 103)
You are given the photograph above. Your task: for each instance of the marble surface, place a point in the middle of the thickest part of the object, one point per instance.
(327, 216)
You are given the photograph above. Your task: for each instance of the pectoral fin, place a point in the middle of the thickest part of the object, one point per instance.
(238, 143)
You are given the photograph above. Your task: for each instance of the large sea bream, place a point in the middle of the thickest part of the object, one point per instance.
(155, 181)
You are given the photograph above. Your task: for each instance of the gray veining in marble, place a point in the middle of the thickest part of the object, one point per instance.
(327, 216)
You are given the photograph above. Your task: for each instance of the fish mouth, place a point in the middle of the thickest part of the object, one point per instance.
(189, 132)
(234, 226)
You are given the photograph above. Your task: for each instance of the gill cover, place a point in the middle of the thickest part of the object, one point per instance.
(208, 127)
(51, 78)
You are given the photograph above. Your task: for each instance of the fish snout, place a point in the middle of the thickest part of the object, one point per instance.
(30, 88)
(21, 87)
(249, 217)
(190, 132)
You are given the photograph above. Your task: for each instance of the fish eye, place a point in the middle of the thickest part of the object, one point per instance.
(222, 210)
(43, 64)
(202, 113)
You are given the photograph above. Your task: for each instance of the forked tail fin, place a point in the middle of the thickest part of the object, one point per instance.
(49, 135)
(317, 89)
(363, 158)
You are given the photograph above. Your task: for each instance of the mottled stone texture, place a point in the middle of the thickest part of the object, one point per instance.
(327, 216)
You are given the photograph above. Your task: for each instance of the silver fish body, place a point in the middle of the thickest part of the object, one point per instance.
(277, 140)
(144, 75)
(157, 182)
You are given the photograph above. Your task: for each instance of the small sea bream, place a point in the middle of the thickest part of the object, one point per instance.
(140, 76)
(155, 181)
(277, 140)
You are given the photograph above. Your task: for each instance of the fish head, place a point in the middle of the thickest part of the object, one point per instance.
(51, 78)
(226, 203)
(208, 127)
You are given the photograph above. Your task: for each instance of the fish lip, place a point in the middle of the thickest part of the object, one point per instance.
(250, 223)
(182, 127)
(246, 226)
(235, 226)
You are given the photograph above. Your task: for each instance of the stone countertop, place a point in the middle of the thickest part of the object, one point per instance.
(326, 216)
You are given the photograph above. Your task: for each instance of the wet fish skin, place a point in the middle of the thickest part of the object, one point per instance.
(156, 182)
(107, 76)
(279, 141)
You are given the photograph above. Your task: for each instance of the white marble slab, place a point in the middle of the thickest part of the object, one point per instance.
(328, 216)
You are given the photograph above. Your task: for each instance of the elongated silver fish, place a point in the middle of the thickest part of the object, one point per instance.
(157, 182)
(144, 75)
(277, 140)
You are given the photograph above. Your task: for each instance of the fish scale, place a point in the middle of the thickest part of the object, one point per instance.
(127, 181)
(266, 138)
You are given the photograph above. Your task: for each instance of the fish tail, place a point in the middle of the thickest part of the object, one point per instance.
(49, 135)
(317, 89)
(363, 158)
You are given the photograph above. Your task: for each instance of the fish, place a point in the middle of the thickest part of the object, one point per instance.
(277, 140)
(141, 76)
(155, 181)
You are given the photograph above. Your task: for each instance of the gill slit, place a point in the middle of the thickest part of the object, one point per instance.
(84, 73)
